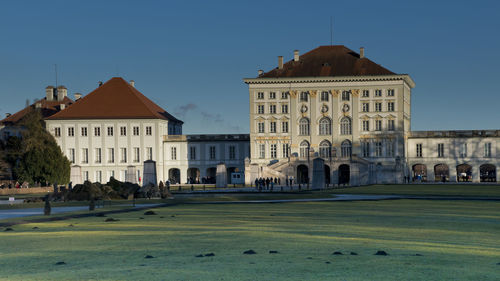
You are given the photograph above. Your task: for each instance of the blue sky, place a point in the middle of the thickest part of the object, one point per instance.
(190, 56)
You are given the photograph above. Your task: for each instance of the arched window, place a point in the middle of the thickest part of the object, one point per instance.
(304, 149)
(346, 149)
(345, 126)
(304, 127)
(325, 148)
(325, 126)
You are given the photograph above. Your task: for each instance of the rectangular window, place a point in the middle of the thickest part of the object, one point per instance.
(378, 93)
(346, 95)
(272, 109)
(260, 109)
(284, 108)
(366, 125)
(366, 149)
(463, 150)
(324, 96)
(123, 131)
(284, 127)
(260, 95)
(284, 95)
(212, 152)
(440, 149)
(85, 175)
(390, 106)
(487, 149)
(262, 151)
(57, 132)
(123, 152)
(304, 96)
(84, 131)
(378, 149)
(149, 131)
(98, 155)
(137, 154)
(366, 107)
(286, 150)
(71, 132)
(272, 95)
(272, 127)
(136, 130)
(85, 155)
(110, 131)
(273, 150)
(378, 125)
(391, 125)
(149, 153)
(173, 153)
(232, 152)
(390, 148)
(378, 106)
(390, 92)
(419, 150)
(366, 93)
(260, 127)
(71, 155)
(98, 176)
(111, 155)
(192, 152)
(97, 131)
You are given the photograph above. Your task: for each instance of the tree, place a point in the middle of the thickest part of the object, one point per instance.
(39, 157)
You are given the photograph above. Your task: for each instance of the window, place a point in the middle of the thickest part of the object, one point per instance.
(390, 92)
(273, 150)
(366, 125)
(325, 126)
(366, 93)
(135, 130)
(440, 149)
(71, 132)
(304, 127)
(137, 154)
(463, 150)
(173, 153)
(260, 95)
(346, 95)
(365, 146)
(71, 155)
(304, 149)
(110, 131)
(97, 131)
(378, 125)
(85, 155)
(286, 149)
(192, 152)
(419, 150)
(262, 151)
(272, 95)
(111, 155)
(378, 93)
(378, 106)
(304, 96)
(84, 131)
(260, 126)
(389, 148)
(325, 149)
(260, 109)
(284, 96)
(123, 151)
(324, 96)
(272, 109)
(284, 108)
(98, 155)
(391, 125)
(85, 175)
(345, 149)
(149, 130)
(366, 107)
(212, 152)
(272, 127)
(390, 106)
(232, 152)
(149, 153)
(57, 132)
(487, 149)
(345, 126)
(378, 149)
(284, 127)
(123, 131)
(98, 176)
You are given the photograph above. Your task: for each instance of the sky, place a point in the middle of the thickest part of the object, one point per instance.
(190, 56)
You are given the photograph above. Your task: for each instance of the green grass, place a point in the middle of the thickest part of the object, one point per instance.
(458, 240)
(426, 189)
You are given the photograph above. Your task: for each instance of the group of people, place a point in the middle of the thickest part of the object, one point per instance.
(261, 183)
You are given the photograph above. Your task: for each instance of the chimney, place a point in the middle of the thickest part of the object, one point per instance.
(132, 83)
(49, 93)
(62, 106)
(361, 52)
(78, 96)
(7, 115)
(100, 83)
(296, 55)
(261, 72)
(280, 62)
(62, 92)
(38, 105)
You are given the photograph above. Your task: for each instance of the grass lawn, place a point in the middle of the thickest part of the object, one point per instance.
(426, 189)
(456, 240)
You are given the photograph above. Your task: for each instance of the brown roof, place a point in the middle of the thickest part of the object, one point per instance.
(48, 108)
(336, 60)
(115, 99)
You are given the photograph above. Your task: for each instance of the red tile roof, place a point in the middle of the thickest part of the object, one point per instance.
(47, 109)
(336, 60)
(115, 99)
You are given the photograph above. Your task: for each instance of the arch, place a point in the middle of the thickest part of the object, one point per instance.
(304, 148)
(327, 174)
(174, 176)
(211, 175)
(302, 174)
(464, 173)
(325, 148)
(344, 174)
(325, 126)
(304, 126)
(419, 172)
(193, 175)
(488, 173)
(345, 126)
(346, 149)
(441, 173)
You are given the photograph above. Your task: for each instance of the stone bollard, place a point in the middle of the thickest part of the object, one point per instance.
(192, 188)
(92, 203)
(47, 208)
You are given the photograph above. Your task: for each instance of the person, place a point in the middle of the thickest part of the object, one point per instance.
(256, 182)
(279, 181)
(272, 185)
